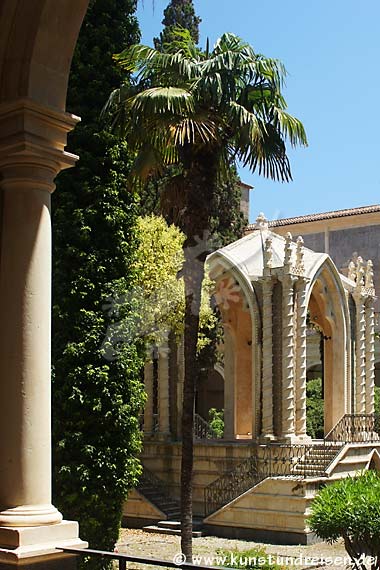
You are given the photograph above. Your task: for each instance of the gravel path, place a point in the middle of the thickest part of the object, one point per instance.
(321, 555)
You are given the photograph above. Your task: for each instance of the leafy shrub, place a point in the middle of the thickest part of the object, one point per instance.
(216, 421)
(350, 509)
(314, 409)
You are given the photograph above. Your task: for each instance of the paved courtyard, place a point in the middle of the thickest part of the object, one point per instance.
(321, 555)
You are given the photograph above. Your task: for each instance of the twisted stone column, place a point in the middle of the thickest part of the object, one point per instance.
(301, 359)
(288, 423)
(360, 400)
(163, 389)
(267, 397)
(370, 356)
(181, 377)
(229, 385)
(148, 385)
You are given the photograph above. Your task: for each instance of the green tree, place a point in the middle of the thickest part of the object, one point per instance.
(314, 409)
(96, 402)
(158, 294)
(350, 509)
(201, 111)
(178, 13)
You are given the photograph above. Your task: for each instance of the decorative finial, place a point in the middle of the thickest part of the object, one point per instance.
(261, 222)
(288, 250)
(268, 253)
(369, 275)
(351, 271)
(359, 272)
(300, 266)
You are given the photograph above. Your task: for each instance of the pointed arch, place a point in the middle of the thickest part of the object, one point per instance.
(326, 297)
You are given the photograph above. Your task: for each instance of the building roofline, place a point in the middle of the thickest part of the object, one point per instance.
(244, 185)
(321, 216)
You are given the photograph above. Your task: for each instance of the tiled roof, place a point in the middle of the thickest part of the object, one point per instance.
(321, 216)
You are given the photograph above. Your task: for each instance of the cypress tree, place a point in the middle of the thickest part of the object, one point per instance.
(178, 13)
(96, 402)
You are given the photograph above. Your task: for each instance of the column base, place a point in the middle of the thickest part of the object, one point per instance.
(18, 544)
(267, 438)
(163, 436)
(30, 515)
(296, 439)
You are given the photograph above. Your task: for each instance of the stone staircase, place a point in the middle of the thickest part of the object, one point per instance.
(174, 528)
(154, 490)
(316, 460)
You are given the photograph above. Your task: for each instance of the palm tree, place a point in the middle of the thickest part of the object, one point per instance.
(202, 112)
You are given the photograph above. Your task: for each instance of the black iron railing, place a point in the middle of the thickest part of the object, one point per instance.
(149, 480)
(232, 484)
(355, 428)
(270, 460)
(202, 429)
(124, 558)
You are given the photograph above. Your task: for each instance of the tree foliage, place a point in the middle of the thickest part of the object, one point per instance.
(201, 111)
(96, 402)
(158, 292)
(314, 409)
(178, 13)
(350, 509)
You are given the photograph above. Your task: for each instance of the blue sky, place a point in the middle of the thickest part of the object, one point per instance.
(331, 49)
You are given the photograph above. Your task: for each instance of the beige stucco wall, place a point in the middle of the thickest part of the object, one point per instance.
(211, 460)
(276, 504)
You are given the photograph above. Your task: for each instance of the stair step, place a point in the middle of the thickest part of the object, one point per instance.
(170, 524)
(169, 531)
(176, 524)
(354, 459)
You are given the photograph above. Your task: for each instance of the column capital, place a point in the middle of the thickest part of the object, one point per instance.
(32, 144)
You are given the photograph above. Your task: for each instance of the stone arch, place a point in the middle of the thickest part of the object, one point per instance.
(328, 308)
(37, 41)
(242, 367)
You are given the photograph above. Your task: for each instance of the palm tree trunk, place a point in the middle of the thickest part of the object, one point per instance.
(193, 277)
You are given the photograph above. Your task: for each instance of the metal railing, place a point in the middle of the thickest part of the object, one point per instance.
(202, 429)
(232, 484)
(355, 428)
(124, 558)
(150, 480)
(270, 460)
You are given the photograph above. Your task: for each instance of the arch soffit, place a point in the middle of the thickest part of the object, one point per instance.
(37, 42)
(327, 265)
(245, 283)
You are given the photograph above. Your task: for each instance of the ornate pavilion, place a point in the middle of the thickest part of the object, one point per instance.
(259, 480)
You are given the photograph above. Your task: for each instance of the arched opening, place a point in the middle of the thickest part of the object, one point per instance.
(210, 393)
(326, 314)
(239, 401)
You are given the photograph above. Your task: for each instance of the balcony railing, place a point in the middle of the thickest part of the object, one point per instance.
(202, 429)
(355, 428)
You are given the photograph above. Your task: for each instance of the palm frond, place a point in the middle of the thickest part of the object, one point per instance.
(163, 100)
(194, 128)
(291, 127)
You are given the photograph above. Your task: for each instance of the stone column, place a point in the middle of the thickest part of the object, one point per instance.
(370, 356)
(148, 385)
(31, 154)
(229, 385)
(360, 399)
(163, 390)
(267, 396)
(301, 359)
(181, 379)
(288, 423)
